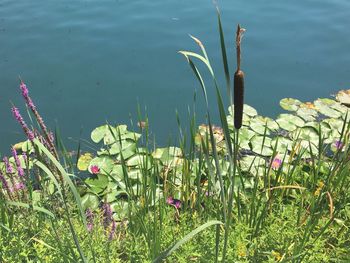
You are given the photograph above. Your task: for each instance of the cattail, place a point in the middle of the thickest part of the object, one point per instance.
(238, 82)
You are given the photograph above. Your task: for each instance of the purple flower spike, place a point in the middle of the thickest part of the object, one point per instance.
(24, 89)
(19, 186)
(8, 166)
(24, 126)
(4, 182)
(90, 218)
(107, 214)
(18, 163)
(338, 144)
(177, 204)
(112, 232)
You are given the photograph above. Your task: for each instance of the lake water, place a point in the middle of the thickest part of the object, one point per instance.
(88, 62)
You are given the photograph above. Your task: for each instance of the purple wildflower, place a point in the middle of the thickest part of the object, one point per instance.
(276, 163)
(177, 204)
(19, 186)
(9, 168)
(338, 144)
(4, 182)
(107, 214)
(170, 200)
(90, 218)
(18, 163)
(20, 120)
(112, 232)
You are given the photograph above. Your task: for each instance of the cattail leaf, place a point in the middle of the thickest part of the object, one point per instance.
(185, 239)
(34, 207)
(195, 55)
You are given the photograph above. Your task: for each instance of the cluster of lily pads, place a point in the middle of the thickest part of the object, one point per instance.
(121, 169)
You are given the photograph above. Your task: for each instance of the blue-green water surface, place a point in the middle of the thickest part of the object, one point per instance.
(88, 62)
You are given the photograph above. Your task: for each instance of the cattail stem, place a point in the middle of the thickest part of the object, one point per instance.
(238, 82)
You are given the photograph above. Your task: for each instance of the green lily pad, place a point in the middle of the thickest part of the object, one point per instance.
(283, 144)
(324, 107)
(104, 163)
(260, 148)
(343, 97)
(307, 133)
(97, 183)
(289, 122)
(140, 160)
(290, 104)
(248, 110)
(84, 161)
(307, 114)
(90, 201)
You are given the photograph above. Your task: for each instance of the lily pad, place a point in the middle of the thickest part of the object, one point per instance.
(283, 144)
(290, 104)
(289, 122)
(84, 161)
(324, 107)
(89, 201)
(261, 145)
(249, 110)
(97, 183)
(343, 97)
(104, 163)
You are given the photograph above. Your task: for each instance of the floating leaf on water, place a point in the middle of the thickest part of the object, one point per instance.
(259, 148)
(290, 104)
(271, 124)
(90, 200)
(259, 128)
(324, 107)
(307, 114)
(254, 163)
(343, 97)
(307, 133)
(140, 160)
(97, 183)
(249, 110)
(289, 122)
(84, 161)
(283, 144)
(104, 163)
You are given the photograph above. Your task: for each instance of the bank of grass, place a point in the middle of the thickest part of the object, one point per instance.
(271, 191)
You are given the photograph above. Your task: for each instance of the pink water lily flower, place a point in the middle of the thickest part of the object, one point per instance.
(276, 163)
(94, 169)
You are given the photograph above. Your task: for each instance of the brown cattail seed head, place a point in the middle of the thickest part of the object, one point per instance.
(238, 98)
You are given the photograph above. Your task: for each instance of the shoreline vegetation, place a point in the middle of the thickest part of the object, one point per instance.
(252, 189)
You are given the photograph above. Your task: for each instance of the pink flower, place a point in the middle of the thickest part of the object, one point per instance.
(94, 169)
(170, 200)
(276, 163)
